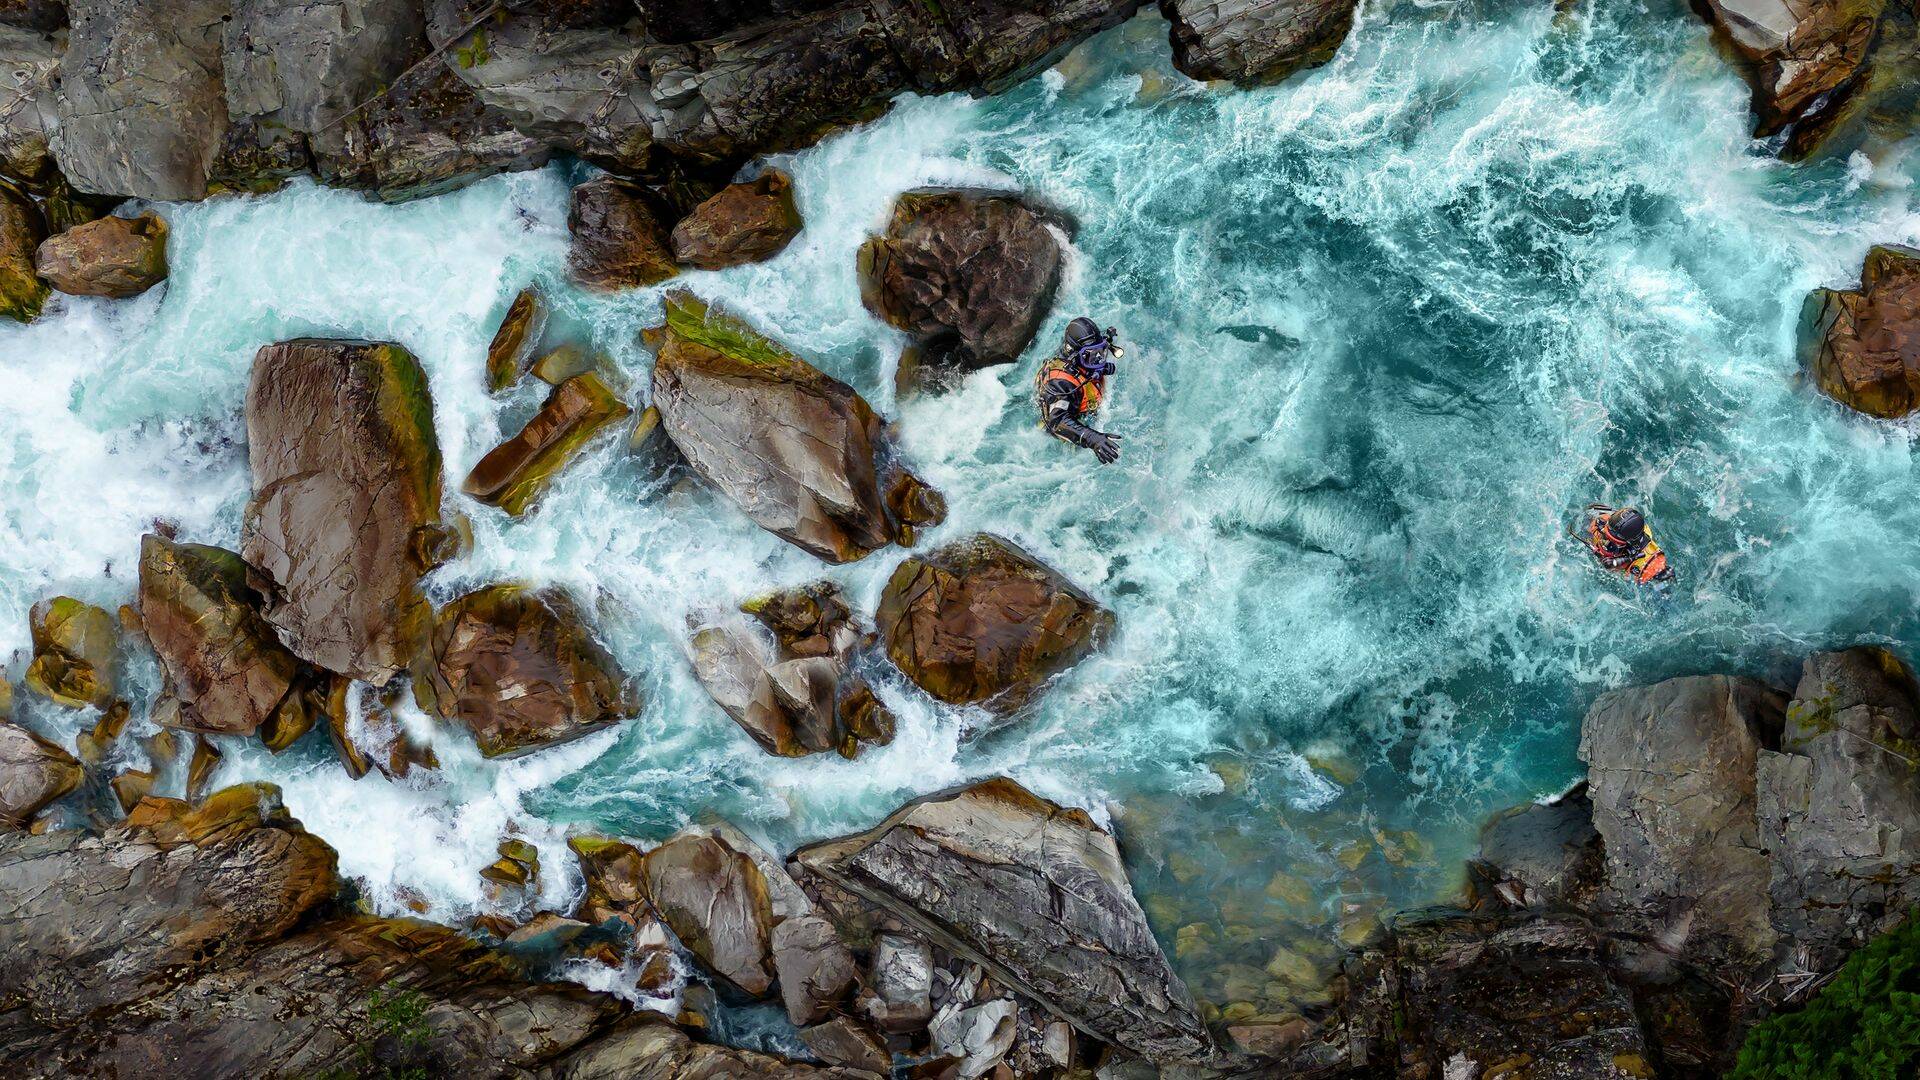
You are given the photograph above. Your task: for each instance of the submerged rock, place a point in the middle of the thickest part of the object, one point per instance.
(1039, 895)
(73, 653)
(1542, 855)
(969, 274)
(22, 293)
(801, 454)
(1251, 42)
(521, 670)
(716, 901)
(617, 242)
(1862, 346)
(142, 108)
(743, 223)
(345, 514)
(114, 256)
(981, 622)
(1671, 775)
(224, 668)
(513, 474)
(1839, 806)
(518, 338)
(33, 773)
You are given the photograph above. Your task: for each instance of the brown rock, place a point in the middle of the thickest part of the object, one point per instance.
(744, 223)
(33, 773)
(222, 662)
(73, 653)
(131, 786)
(1862, 346)
(114, 256)
(815, 970)
(647, 1046)
(1805, 59)
(517, 340)
(345, 514)
(715, 899)
(1254, 42)
(22, 228)
(980, 622)
(801, 454)
(514, 473)
(969, 274)
(206, 758)
(92, 746)
(565, 362)
(521, 670)
(617, 242)
(844, 1041)
(615, 874)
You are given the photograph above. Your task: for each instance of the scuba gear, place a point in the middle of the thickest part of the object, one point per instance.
(1071, 384)
(1621, 541)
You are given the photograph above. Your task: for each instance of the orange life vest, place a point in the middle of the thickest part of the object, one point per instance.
(1058, 377)
(1646, 567)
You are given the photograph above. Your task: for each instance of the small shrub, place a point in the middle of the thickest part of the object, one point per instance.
(1864, 1025)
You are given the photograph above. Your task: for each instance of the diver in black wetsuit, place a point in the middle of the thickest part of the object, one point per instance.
(1071, 384)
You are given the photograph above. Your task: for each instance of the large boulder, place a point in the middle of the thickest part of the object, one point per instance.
(512, 475)
(1251, 42)
(716, 900)
(345, 514)
(304, 64)
(114, 256)
(1803, 59)
(1839, 804)
(1671, 774)
(22, 228)
(981, 622)
(73, 652)
(1038, 895)
(802, 454)
(33, 773)
(225, 670)
(617, 242)
(142, 109)
(1862, 346)
(969, 274)
(31, 61)
(520, 668)
(742, 223)
(647, 1046)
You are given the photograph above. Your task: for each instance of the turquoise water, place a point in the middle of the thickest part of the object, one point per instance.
(1391, 325)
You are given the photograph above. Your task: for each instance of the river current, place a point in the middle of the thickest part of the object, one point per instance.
(1390, 325)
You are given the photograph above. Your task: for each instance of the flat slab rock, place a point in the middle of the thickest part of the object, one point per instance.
(1036, 893)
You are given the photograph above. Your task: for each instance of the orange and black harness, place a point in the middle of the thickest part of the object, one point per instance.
(1643, 561)
(1060, 382)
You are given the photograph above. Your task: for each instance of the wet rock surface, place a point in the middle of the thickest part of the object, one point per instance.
(617, 243)
(512, 349)
(969, 274)
(716, 901)
(346, 501)
(1862, 346)
(513, 474)
(981, 622)
(1804, 60)
(520, 668)
(114, 256)
(802, 454)
(33, 773)
(1035, 893)
(742, 223)
(74, 646)
(22, 228)
(1255, 41)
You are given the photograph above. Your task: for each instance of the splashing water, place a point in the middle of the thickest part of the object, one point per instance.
(1390, 325)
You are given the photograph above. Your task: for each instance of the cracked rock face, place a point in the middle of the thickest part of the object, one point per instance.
(30, 61)
(114, 256)
(1037, 894)
(223, 665)
(616, 241)
(141, 105)
(33, 773)
(801, 454)
(521, 670)
(716, 900)
(981, 622)
(1806, 58)
(346, 501)
(1671, 775)
(647, 1046)
(303, 64)
(969, 274)
(1839, 804)
(742, 223)
(1252, 42)
(1862, 346)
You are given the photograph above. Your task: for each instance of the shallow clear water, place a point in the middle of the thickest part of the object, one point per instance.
(1391, 325)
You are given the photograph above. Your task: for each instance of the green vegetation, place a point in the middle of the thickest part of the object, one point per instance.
(394, 1041)
(691, 319)
(1864, 1025)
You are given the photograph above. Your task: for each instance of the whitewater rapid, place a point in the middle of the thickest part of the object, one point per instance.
(1390, 325)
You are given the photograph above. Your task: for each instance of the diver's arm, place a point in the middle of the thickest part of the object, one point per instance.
(1061, 424)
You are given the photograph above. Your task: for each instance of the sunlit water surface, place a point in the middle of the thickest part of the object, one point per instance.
(1391, 323)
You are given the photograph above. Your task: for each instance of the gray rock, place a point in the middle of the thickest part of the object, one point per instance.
(1839, 804)
(1255, 41)
(28, 65)
(647, 1046)
(141, 106)
(844, 1041)
(1543, 854)
(814, 969)
(900, 978)
(980, 1036)
(41, 15)
(33, 773)
(1671, 775)
(735, 662)
(1039, 896)
(304, 63)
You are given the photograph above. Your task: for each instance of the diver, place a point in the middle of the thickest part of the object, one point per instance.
(1071, 383)
(1621, 541)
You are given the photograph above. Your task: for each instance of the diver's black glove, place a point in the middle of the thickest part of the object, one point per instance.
(1104, 446)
